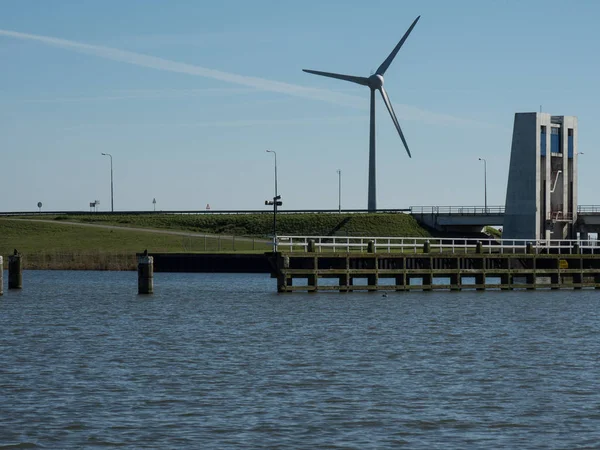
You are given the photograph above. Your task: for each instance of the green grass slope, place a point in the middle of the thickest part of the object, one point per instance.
(261, 225)
(40, 237)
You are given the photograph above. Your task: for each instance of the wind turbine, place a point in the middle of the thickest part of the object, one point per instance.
(375, 83)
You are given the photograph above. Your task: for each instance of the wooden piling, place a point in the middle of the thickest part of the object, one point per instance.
(15, 272)
(145, 274)
(1, 275)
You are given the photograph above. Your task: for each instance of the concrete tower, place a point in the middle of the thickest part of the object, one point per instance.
(541, 196)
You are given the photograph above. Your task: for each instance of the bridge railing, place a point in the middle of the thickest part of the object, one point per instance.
(588, 209)
(435, 245)
(458, 210)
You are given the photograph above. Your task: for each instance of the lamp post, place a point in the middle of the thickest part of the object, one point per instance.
(339, 172)
(274, 153)
(484, 182)
(112, 204)
(276, 202)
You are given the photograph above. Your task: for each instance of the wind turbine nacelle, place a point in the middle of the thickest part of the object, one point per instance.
(376, 81)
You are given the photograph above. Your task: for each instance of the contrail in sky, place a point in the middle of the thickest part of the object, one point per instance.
(153, 62)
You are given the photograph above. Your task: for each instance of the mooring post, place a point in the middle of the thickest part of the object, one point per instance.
(529, 248)
(371, 246)
(427, 247)
(576, 249)
(311, 246)
(479, 247)
(145, 274)
(1, 276)
(15, 274)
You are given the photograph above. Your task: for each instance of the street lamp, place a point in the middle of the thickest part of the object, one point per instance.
(276, 202)
(339, 172)
(274, 153)
(484, 181)
(112, 204)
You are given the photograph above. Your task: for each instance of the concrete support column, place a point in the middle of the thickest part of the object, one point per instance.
(597, 281)
(480, 280)
(455, 282)
(427, 280)
(372, 282)
(401, 282)
(1, 275)
(313, 281)
(343, 281)
(280, 284)
(577, 280)
(145, 274)
(530, 279)
(15, 271)
(554, 279)
(506, 281)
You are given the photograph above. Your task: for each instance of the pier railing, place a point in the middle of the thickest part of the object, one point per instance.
(434, 245)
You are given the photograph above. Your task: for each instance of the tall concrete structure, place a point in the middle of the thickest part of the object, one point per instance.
(541, 196)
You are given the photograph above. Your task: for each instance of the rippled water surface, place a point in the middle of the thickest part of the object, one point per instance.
(223, 361)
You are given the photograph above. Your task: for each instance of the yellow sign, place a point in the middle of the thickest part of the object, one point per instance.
(563, 264)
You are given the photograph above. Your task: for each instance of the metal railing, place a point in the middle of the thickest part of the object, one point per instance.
(458, 210)
(482, 210)
(204, 212)
(583, 209)
(418, 245)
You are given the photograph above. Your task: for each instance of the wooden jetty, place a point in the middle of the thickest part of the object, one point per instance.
(402, 264)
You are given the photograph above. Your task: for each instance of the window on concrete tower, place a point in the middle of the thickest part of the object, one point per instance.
(570, 142)
(555, 143)
(543, 141)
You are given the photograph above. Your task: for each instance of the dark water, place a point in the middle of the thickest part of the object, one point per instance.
(222, 361)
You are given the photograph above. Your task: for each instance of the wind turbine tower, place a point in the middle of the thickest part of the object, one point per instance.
(375, 83)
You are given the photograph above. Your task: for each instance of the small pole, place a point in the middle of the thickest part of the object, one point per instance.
(145, 274)
(484, 183)
(1, 276)
(275, 223)
(15, 273)
(339, 172)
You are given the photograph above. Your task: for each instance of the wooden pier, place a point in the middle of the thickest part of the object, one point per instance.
(471, 265)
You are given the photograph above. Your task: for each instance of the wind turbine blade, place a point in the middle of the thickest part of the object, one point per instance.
(384, 66)
(387, 102)
(358, 80)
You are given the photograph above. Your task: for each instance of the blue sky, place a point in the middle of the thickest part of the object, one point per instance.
(188, 95)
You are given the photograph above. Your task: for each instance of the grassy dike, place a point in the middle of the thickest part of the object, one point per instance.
(54, 243)
(260, 225)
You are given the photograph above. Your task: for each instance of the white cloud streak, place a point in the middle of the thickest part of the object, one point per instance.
(230, 123)
(405, 111)
(154, 62)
